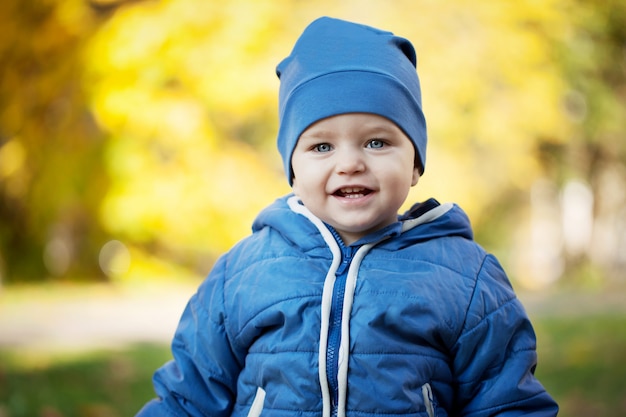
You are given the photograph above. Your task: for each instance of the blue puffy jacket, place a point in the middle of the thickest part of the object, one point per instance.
(415, 320)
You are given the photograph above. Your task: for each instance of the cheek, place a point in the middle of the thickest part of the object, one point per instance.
(301, 184)
(416, 177)
(295, 186)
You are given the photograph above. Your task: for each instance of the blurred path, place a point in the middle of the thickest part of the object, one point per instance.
(575, 303)
(104, 316)
(97, 316)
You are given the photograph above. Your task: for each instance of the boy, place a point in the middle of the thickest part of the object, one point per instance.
(335, 305)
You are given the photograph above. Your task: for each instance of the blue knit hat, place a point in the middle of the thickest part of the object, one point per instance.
(339, 67)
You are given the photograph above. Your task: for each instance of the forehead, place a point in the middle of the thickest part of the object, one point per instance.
(350, 122)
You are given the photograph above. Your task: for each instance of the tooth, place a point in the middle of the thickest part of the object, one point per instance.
(351, 190)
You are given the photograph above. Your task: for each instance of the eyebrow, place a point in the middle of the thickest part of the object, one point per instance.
(317, 133)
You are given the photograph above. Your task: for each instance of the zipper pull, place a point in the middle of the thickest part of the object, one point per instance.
(427, 392)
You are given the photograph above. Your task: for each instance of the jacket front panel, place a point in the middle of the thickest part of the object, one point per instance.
(274, 322)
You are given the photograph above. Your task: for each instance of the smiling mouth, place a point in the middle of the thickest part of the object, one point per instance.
(352, 192)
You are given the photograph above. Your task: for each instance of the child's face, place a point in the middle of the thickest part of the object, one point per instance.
(354, 171)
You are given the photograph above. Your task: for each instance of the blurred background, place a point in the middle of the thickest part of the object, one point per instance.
(137, 144)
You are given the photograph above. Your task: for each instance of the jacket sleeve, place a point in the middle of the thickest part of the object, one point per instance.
(495, 356)
(201, 379)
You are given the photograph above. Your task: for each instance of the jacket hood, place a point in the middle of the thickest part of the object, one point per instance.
(424, 221)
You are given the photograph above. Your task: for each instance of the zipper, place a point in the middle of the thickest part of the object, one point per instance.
(333, 372)
(333, 353)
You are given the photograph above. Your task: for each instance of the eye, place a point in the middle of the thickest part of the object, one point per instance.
(375, 143)
(322, 147)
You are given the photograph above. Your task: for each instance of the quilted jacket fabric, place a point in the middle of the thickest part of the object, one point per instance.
(415, 320)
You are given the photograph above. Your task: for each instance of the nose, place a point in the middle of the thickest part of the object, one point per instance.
(349, 161)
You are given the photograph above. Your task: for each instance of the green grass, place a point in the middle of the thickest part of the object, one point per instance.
(582, 362)
(96, 384)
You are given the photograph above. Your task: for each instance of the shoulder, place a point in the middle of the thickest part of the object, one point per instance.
(454, 270)
(291, 241)
(452, 256)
